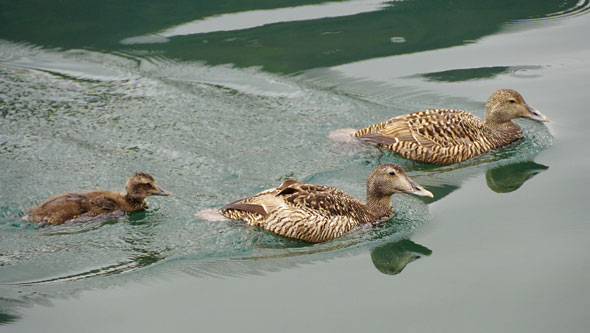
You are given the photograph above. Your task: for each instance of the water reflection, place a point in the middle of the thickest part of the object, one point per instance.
(499, 178)
(6, 318)
(508, 178)
(467, 74)
(300, 41)
(294, 46)
(257, 18)
(392, 258)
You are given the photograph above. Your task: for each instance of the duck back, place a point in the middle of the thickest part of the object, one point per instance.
(438, 136)
(68, 206)
(309, 212)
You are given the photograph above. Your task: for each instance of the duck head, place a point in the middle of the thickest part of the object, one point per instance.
(142, 185)
(507, 104)
(390, 178)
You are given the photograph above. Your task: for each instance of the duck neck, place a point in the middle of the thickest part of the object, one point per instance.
(135, 203)
(499, 123)
(504, 131)
(379, 206)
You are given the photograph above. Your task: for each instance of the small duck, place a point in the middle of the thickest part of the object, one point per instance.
(448, 136)
(74, 205)
(317, 213)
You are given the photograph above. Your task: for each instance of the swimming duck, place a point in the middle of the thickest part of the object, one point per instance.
(317, 213)
(74, 205)
(448, 136)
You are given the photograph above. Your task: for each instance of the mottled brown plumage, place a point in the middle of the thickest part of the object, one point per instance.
(445, 136)
(69, 206)
(316, 213)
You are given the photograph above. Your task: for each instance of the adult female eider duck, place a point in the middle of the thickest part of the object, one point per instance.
(445, 136)
(74, 205)
(317, 213)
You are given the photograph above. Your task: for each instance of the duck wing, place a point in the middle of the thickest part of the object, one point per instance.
(260, 204)
(60, 208)
(321, 199)
(433, 127)
(108, 201)
(313, 213)
(103, 203)
(441, 136)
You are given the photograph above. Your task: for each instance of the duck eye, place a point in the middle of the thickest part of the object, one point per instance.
(392, 173)
(512, 101)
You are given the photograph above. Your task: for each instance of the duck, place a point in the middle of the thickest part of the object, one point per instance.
(449, 136)
(318, 213)
(71, 206)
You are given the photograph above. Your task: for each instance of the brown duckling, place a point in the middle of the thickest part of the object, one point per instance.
(445, 136)
(317, 213)
(75, 205)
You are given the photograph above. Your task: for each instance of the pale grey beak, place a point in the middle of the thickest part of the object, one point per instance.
(162, 192)
(536, 115)
(419, 190)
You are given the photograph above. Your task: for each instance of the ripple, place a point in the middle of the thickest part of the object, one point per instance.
(208, 134)
(74, 63)
(102, 271)
(581, 8)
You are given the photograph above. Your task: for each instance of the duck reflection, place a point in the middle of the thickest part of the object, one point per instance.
(392, 258)
(500, 179)
(508, 178)
(6, 318)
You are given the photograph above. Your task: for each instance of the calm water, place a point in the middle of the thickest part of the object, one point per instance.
(221, 99)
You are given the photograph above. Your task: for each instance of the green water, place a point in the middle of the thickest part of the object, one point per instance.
(221, 99)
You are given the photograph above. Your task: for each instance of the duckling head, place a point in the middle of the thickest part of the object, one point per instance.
(142, 185)
(507, 104)
(390, 178)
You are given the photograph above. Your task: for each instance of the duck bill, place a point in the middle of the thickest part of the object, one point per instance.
(419, 190)
(534, 114)
(162, 192)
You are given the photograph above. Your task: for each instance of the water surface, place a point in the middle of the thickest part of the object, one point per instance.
(219, 100)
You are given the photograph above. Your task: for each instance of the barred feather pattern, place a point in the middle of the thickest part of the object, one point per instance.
(439, 136)
(309, 212)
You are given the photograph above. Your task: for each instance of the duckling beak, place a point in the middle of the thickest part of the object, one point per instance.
(162, 192)
(535, 114)
(419, 190)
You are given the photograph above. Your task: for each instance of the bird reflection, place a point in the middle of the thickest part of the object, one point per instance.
(7, 318)
(500, 179)
(508, 178)
(392, 258)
